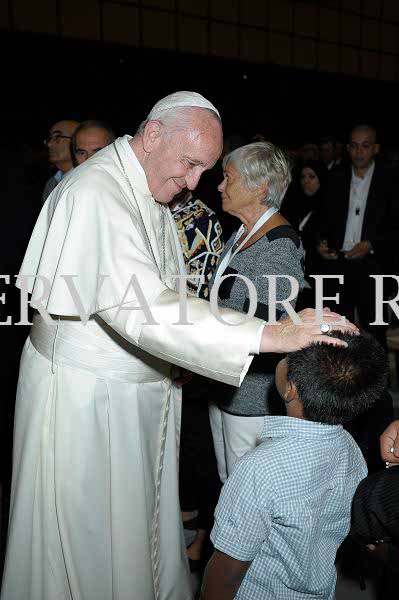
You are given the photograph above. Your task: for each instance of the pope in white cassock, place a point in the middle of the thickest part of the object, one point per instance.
(94, 509)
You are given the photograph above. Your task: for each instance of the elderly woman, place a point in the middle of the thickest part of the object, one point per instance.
(256, 177)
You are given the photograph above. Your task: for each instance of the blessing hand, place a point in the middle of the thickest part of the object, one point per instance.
(285, 336)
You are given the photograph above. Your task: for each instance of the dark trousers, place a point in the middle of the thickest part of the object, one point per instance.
(367, 428)
(357, 291)
(199, 481)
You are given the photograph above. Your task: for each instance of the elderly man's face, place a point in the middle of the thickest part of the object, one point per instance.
(177, 159)
(362, 148)
(59, 141)
(89, 141)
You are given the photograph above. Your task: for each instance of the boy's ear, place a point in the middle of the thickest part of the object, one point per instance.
(291, 392)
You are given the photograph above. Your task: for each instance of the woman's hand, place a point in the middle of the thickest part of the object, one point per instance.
(325, 252)
(285, 336)
(388, 440)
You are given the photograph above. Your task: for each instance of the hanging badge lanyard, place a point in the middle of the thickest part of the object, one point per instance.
(230, 254)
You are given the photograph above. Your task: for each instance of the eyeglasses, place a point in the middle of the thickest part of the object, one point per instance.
(56, 138)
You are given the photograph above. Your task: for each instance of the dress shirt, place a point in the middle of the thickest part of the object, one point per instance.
(359, 191)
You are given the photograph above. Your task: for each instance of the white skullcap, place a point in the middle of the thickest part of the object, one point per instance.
(180, 99)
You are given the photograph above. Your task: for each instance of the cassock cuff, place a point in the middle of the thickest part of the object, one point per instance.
(255, 346)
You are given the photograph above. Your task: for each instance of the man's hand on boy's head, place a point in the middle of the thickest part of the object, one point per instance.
(286, 336)
(389, 443)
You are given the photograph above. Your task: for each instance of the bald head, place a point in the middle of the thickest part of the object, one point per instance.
(89, 138)
(368, 130)
(59, 144)
(363, 148)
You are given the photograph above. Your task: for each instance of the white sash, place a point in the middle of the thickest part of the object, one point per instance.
(66, 341)
(231, 253)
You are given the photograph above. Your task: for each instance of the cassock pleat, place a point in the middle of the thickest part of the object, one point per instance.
(88, 522)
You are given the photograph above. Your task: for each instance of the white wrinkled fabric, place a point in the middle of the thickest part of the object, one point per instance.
(88, 452)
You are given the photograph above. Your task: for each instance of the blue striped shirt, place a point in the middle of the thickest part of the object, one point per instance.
(287, 507)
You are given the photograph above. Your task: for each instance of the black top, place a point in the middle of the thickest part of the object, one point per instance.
(375, 511)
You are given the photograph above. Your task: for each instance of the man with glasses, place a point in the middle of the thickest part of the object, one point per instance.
(58, 143)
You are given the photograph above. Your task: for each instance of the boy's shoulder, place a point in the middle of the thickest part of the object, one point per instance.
(294, 453)
(293, 474)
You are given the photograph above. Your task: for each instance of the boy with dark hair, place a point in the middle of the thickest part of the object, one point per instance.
(286, 507)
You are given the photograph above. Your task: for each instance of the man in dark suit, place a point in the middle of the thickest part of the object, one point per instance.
(358, 233)
(358, 229)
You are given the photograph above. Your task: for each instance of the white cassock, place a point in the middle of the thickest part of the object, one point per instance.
(94, 510)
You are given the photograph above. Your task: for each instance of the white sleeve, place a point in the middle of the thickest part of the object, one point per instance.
(206, 346)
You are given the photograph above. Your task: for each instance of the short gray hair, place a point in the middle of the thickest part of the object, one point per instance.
(177, 119)
(261, 163)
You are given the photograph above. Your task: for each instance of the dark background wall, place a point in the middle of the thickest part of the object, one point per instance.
(287, 67)
(47, 78)
(352, 37)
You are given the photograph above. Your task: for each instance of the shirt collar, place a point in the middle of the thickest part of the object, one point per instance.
(368, 175)
(279, 427)
(58, 176)
(133, 168)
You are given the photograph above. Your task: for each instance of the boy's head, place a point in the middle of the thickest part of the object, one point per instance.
(331, 384)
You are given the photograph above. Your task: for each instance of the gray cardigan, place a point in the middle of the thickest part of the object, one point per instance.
(279, 252)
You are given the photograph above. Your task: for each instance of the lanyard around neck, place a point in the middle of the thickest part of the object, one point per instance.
(231, 253)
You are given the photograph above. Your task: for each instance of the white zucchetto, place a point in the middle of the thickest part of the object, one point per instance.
(180, 99)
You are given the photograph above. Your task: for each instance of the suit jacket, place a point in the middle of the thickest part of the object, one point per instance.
(375, 510)
(380, 223)
(51, 184)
